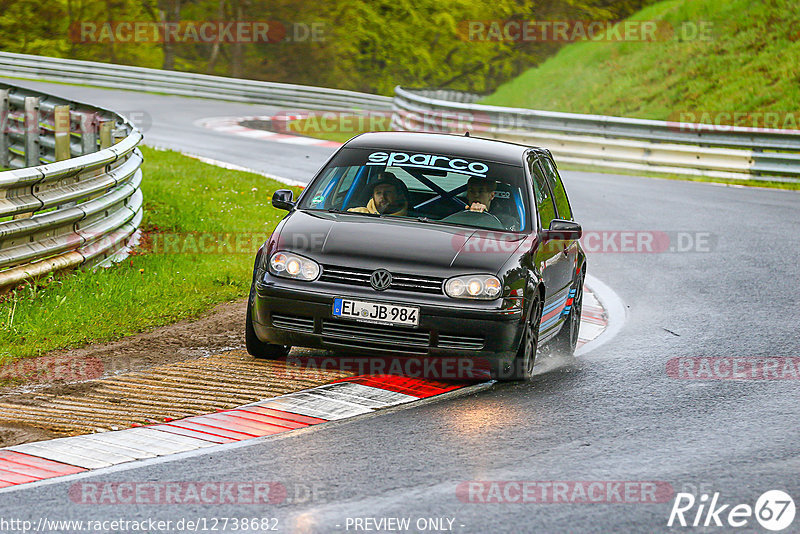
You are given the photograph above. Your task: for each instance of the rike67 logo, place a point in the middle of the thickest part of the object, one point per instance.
(774, 510)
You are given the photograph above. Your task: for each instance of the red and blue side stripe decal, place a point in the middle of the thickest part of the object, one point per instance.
(557, 309)
(570, 300)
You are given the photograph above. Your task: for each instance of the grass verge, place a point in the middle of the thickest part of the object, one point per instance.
(202, 226)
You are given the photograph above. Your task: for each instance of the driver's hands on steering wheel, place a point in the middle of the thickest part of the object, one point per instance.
(476, 206)
(473, 214)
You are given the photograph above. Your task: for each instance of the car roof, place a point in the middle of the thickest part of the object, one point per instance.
(437, 143)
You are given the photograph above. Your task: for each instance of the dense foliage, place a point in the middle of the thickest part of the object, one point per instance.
(367, 45)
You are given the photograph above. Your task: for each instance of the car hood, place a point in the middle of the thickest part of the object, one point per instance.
(395, 244)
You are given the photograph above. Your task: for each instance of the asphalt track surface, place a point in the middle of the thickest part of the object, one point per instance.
(615, 415)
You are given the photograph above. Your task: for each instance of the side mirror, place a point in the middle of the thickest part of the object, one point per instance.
(563, 230)
(283, 199)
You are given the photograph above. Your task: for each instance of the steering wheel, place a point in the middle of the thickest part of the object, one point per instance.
(472, 217)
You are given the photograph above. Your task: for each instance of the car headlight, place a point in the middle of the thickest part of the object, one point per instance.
(289, 265)
(478, 286)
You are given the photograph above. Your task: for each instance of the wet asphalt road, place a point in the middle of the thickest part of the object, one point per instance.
(614, 415)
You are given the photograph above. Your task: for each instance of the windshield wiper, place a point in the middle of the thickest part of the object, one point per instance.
(337, 210)
(431, 221)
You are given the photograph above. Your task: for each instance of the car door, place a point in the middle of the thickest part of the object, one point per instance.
(549, 258)
(564, 211)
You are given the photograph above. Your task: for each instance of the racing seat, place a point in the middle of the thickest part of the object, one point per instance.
(504, 207)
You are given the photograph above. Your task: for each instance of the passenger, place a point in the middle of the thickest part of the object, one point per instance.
(388, 197)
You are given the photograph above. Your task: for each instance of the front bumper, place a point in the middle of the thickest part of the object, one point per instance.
(288, 312)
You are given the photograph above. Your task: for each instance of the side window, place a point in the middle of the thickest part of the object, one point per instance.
(327, 183)
(557, 187)
(544, 201)
(347, 180)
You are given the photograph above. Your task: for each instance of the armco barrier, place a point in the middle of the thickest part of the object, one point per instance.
(187, 84)
(72, 196)
(610, 142)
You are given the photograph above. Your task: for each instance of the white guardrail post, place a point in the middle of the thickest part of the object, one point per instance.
(610, 142)
(31, 125)
(4, 154)
(64, 204)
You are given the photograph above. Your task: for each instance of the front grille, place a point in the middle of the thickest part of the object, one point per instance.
(423, 284)
(383, 337)
(459, 341)
(292, 322)
(341, 275)
(400, 281)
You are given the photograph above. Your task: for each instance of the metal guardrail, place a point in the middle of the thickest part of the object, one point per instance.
(72, 198)
(610, 142)
(593, 140)
(187, 84)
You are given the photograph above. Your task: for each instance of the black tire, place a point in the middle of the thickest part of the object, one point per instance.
(522, 367)
(565, 342)
(256, 347)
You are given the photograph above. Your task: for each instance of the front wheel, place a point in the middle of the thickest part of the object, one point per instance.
(566, 341)
(256, 347)
(522, 367)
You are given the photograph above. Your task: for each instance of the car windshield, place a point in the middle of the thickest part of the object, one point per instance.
(428, 187)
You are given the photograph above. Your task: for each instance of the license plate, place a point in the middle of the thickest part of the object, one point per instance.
(375, 312)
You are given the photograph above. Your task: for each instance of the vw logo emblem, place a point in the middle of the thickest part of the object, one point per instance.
(380, 279)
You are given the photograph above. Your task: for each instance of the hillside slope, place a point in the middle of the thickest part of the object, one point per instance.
(745, 57)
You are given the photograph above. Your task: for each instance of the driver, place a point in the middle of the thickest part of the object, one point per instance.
(480, 194)
(388, 197)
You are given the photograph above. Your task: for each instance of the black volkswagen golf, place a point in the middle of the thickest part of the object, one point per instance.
(423, 245)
